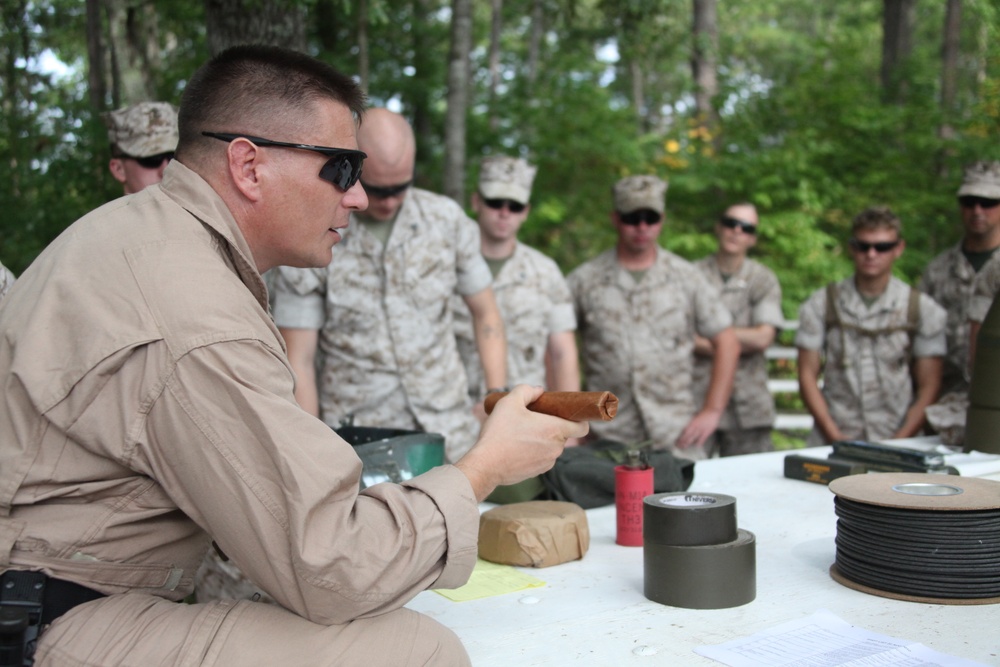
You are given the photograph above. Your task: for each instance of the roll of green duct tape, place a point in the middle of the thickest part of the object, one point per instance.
(713, 576)
(688, 519)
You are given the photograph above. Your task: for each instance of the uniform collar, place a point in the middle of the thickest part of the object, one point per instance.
(189, 190)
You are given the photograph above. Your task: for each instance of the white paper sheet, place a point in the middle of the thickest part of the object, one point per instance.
(825, 640)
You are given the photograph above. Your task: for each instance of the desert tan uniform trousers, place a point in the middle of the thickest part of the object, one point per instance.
(135, 630)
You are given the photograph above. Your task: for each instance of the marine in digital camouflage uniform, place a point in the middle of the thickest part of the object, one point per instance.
(879, 351)
(638, 310)
(531, 292)
(950, 277)
(143, 139)
(752, 294)
(379, 314)
(6, 281)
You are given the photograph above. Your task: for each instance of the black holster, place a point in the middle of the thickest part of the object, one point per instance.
(21, 598)
(29, 602)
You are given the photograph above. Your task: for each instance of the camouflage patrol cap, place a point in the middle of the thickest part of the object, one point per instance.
(982, 179)
(502, 177)
(635, 192)
(144, 129)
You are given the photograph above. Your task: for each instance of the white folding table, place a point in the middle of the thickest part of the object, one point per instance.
(593, 611)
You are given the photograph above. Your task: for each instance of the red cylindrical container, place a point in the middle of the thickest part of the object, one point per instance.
(632, 484)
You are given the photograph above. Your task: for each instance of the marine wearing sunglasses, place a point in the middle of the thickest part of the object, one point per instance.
(343, 169)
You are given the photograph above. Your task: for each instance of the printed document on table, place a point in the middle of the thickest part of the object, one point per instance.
(825, 640)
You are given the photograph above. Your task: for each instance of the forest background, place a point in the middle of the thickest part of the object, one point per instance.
(811, 109)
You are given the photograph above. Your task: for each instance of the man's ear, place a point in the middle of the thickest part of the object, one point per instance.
(243, 161)
(117, 169)
(475, 201)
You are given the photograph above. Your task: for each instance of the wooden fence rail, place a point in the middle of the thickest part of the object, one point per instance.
(787, 421)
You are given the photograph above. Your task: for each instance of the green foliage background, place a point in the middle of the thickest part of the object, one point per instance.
(804, 132)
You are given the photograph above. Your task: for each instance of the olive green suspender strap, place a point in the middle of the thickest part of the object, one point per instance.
(833, 319)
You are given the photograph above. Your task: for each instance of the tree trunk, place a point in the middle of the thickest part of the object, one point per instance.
(496, 26)
(96, 84)
(133, 50)
(535, 41)
(638, 94)
(704, 62)
(897, 43)
(420, 97)
(364, 65)
(232, 22)
(15, 47)
(458, 100)
(949, 64)
(949, 82)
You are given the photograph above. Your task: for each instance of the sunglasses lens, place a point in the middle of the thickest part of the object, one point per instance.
(970, 201)
(153, 161)
(863, 246)
(512, 206)
(733, 223)
(386, 191)
(343, 170)
(642, 215)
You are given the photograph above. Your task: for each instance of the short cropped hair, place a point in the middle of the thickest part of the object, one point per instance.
(251, 87)
(877, 217)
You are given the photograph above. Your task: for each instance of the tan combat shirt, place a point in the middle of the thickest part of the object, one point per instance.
(534, 303)
(867, 381)
(948, 279)
(146, 404)
(753, 297)
(385, 322)
(638, 342)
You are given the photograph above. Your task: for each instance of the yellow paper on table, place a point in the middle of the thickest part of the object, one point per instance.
(489, 579)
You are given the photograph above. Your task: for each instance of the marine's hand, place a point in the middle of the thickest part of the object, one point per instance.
(698, 429)
(516, 443)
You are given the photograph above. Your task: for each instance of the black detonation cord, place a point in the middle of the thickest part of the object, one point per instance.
(925, 553)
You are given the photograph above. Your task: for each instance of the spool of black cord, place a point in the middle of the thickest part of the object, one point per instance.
(919, 537)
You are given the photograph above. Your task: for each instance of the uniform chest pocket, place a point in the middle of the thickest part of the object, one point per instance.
(354, 310)
(523, 308)
(668, 315)
(893, 349)
(428, 278)
(526, 325)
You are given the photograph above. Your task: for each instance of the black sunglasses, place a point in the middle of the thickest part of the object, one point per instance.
(649, 216)
(970, 201)
(343, 169)
(497, 204)
(151, 162)
(863, 246)
(385, 191)
(733, 223)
